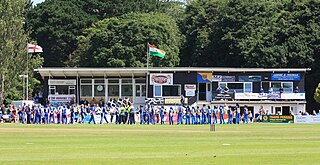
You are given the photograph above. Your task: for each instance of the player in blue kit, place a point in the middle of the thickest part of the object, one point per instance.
(51, 114)
(171, 116)
(238, 115)
(152, 111)
(221, 110)
(209, 113)
(161, 115)
(188, 115)
(64, 114)
(179, 120)
(229, 112)
(92, 113)
(193, 115)
(141, 111)
(245, 115)
(46, 115)
(104, 114)
(198, 112)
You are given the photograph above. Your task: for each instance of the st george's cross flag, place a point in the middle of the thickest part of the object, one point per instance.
(33, 48)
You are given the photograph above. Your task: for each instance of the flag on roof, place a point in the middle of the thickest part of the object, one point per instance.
(156, 52)
(33, 48)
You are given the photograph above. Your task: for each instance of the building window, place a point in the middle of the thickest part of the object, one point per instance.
(157, 91)
(113, 90)
(143, 88)
(86, 91)
(86, 88)
(99, 88)
(72, 90)
(287, 86)
(172, 90)
(126, 90)
(239, 87)
(52, 90)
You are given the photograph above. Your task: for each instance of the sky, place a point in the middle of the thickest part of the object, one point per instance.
(37, 1)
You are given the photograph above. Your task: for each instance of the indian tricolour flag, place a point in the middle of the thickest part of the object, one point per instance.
(156, 52)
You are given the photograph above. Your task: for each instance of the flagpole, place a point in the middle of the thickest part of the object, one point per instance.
(147, 70)
(27, 94)
(148, 55)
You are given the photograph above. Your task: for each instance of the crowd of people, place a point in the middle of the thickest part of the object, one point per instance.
(124, 113)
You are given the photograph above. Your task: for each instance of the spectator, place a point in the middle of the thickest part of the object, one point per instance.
(226, 90)
(270, 90)
(219, 89)
(297, 90)
(261, 90)
(281, 89)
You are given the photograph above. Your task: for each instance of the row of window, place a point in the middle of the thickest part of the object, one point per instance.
(246, 87)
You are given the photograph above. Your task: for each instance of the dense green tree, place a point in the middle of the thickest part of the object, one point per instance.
(13, 47)
(243, 33)
(57, 23)
(122, 41)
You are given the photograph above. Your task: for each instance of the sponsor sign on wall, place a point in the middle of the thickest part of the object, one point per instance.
(278, 118)
(228, 78)
(61, 98)
(204, 77)
(190, 89)
(264, 96)
(307, 119)
(174, 100)
(285, 76)
(249, 78)
(61, 82)
(216, 78)
(161, 79)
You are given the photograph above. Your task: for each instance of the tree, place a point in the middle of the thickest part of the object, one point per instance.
(13, 44)
(242, 33)
(121, 41)
(56, 24)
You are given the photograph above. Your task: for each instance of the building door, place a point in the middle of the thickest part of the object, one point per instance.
(140, 94)
(202, 91)
(286, 110)
(278, 111)
(208, 93)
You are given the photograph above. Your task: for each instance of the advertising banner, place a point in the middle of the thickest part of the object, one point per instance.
(285, 76)
(61, 82)
(278, 118)
(216, 78)
(228, 78)
(307, 119)
(204, 77)
(190, 89)
(161, 79)
(249, 78)
(61, 98)
(174, 100)
(271, 96)
(219, 96)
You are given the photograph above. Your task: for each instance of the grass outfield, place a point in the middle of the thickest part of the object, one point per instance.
(156, 144)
